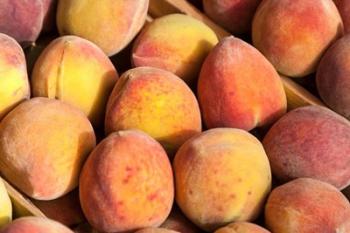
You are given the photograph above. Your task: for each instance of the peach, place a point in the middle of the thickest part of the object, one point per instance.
(177, 43)
(14, 84)
(234, 15)
(222, 175)
(333, 77)
(344, 10)
(127, 171)
(156, 102)
(43, 144)
(239, 88)
(176, 221)
(294, 34)
(307, 205)
(76, 71)
(156, 230)
(49, 9)
(242, 227)
(65, 210)
(109, 24)
(310, 142)
(5, 205)
(35, 225)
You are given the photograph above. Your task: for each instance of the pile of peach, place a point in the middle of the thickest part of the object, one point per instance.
(117, 122)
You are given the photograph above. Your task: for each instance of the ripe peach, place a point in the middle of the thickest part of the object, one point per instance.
(239, 88)
(156, 230)
(344, 10)
(156, 102)
(176, 221)
(109, 24)
(306, 205)
(43, 144)
(242, 227)
(5, 205)
(310, 142)
(234, 15)
(177, 43)
(76, 71)
(221, 175)
(333, 77)
(127, 171)
(294, 34)
(14, 84)
(35, 225)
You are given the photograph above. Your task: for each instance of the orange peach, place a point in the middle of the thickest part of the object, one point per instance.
(14, 84)
(35, 225)
(156, 102)
(177, 43)
(126, 183)
(294, 34)
(234, 15)
(333, 77)
(313, 142)
(239, 88)
(110, 24)
(76, 71)
(222, 175)
(176, 221)
(242, 227)
(43, 144)
(306, 205)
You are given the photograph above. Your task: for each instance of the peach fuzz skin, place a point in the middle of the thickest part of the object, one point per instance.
(109, 24)
(156, 230)
(35, 225)
(344, 10)
(333, 77)
(294, 34)
(126, 171)
(222, 175)
(14, 83)
(242, 227)
(313, 142)
(76, 71)
(306, 205)
(40, 153)
(156, 102)
(177, 43)
(239, 88)
(234, 15)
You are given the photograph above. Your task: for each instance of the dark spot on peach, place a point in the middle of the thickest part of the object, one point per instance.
(232, 196)
(152, 196)
(249, 192)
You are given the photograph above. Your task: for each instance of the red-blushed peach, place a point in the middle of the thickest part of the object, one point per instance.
(110, 24)
(35, 225)
(307, 205)
(333, 77)
(21, 19)
(294, 34)
(14, 84)
(176, 221)
(177, 43)
(344, 10)
(242, 227)
(222, 175)
(156, 102)
(126, 183)
(239, 88)
(75, 71)
(234, 15)
(156, 230)
(313, 142)
(43, 144)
